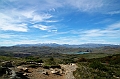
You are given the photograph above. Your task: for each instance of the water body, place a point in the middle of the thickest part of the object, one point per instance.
(77, 52)
(82, 52)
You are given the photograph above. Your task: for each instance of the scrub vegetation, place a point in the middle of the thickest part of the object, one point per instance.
(89, 65)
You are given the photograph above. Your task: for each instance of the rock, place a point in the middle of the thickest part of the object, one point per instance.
(8, 71)
(55, 71)
(24, 69)
(45, 72)
(7, 64)
(25, 74)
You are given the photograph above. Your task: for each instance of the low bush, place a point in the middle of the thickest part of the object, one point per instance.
(98, 65)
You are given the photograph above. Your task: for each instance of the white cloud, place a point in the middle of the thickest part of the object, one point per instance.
(27, 14)
(14, 27)
(19, 20)
(10, 23)
(32, 15)
(86, 5)
(56, 33)
(46, 28)
(42, 27)
(108, 20)
(108, 35)
(113, 12)
(110, 31)
(52, 5)
(82, 5)
(89, 36)
(51, 21)
(34, 11)
(36, 17)
(42, 17)
(6, 35)
(11, 42)
(92, 33)
(23, 14)
(114, 26)
(40, 5)
(89, 6)
(19, 16)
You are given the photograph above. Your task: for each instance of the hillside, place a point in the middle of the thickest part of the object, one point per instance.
(44, 49)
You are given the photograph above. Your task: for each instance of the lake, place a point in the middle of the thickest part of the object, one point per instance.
(77, 52)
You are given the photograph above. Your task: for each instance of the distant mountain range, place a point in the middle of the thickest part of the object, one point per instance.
(67, 45)
(49, 48)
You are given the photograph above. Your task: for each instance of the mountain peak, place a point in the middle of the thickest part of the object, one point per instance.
(89, 45)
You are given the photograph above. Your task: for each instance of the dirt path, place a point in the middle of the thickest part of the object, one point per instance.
(68, 73)
(37, 74)
(69, 70)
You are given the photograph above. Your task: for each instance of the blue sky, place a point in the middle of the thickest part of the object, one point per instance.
(59, 21)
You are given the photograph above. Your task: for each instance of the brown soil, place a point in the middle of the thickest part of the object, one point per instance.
(69, 70)
(38, 74)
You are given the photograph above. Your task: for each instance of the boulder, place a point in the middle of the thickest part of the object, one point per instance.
(7, 64)
(24, 69)
(55, 71)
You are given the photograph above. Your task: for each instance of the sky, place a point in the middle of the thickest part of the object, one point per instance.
(59, 21)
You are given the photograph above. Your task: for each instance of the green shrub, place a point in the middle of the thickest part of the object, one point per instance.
(98, 65)
(39, 61)
(67, 61)
(82, 60)
(33, 66)
(7, 64)
(115, 60)
(50, 62)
